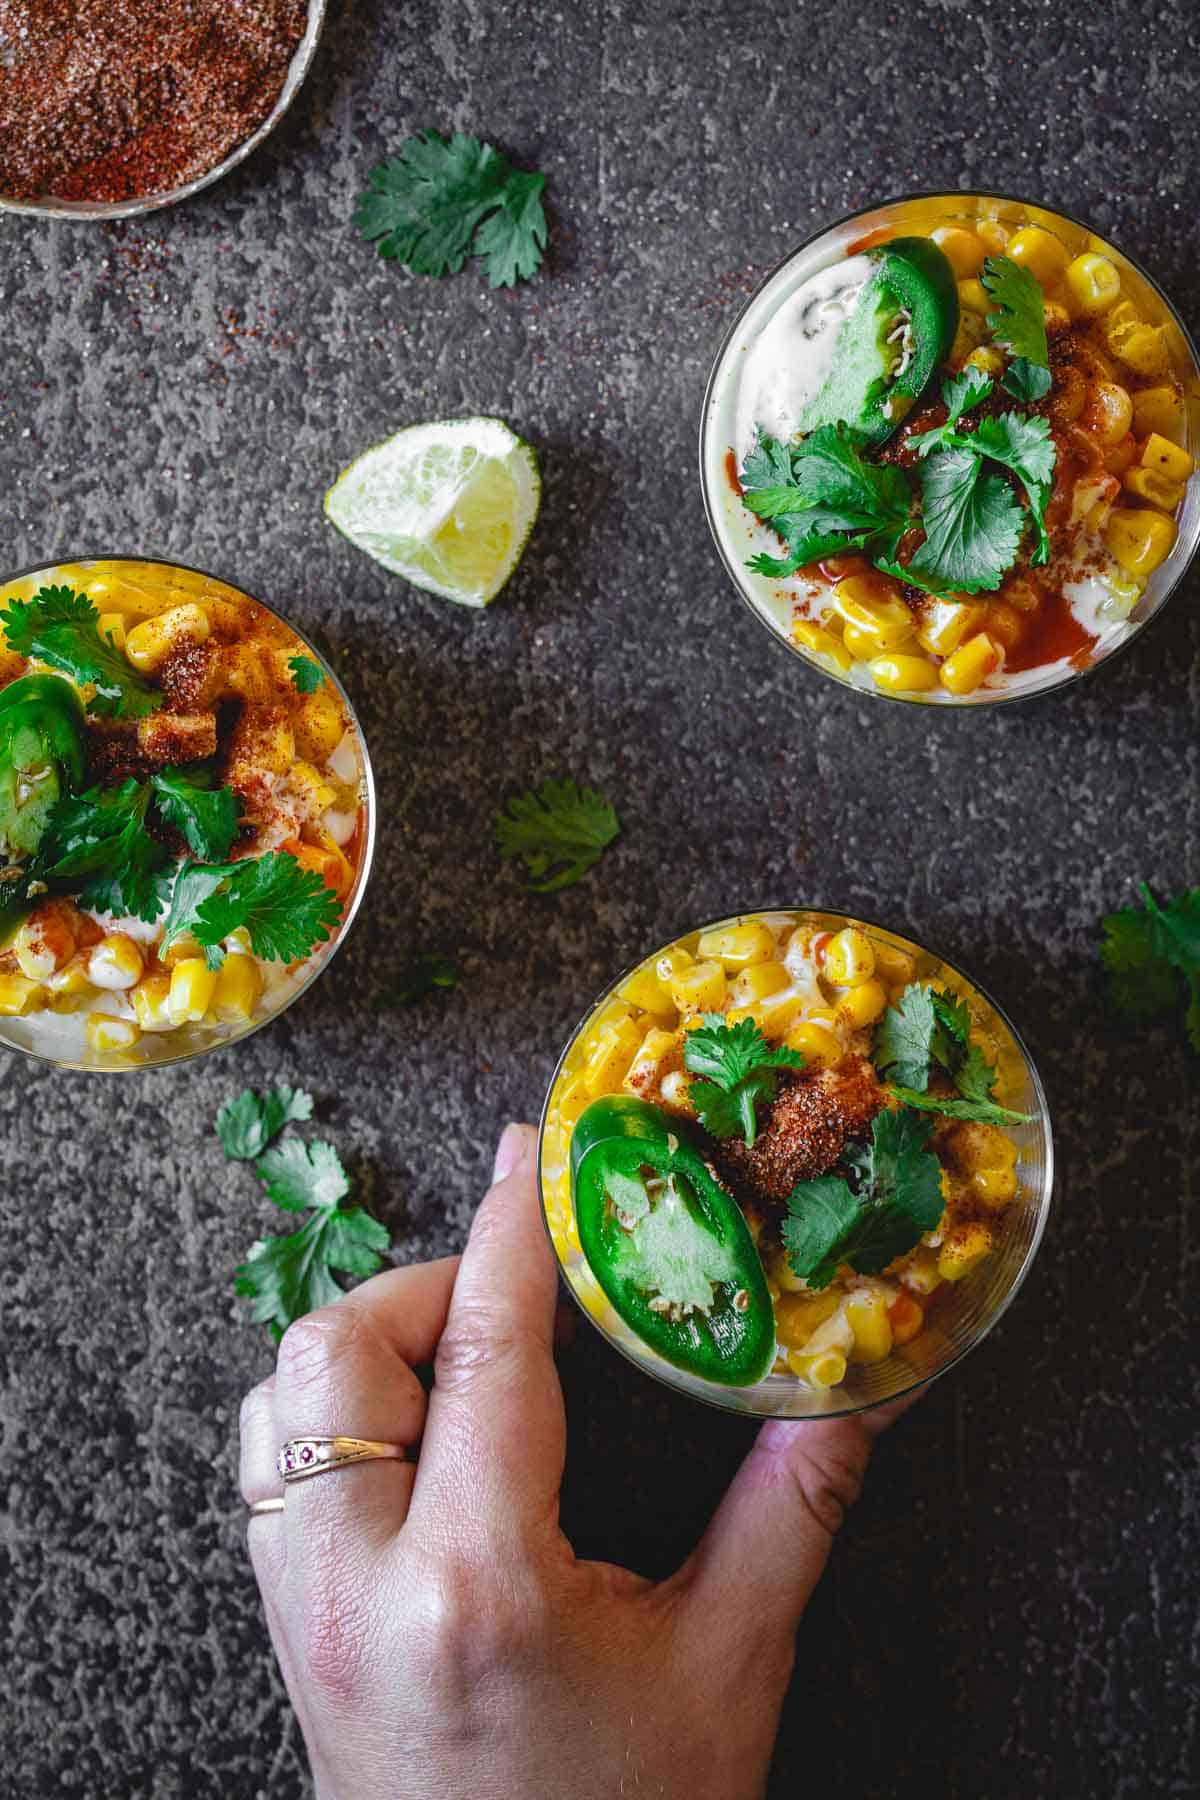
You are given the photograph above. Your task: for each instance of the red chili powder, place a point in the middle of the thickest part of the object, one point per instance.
(113, 100)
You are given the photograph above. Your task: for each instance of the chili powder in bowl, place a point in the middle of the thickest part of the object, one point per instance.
(108, 110)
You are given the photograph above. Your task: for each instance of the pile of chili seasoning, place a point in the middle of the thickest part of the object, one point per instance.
(112, 101)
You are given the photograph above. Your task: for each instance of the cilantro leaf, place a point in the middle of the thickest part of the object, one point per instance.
(97, 843)
(904, 1038)
(1025, 381)
(896, 1200)
(1019, 323)
(671, 1255)
(972, 522)
(1021, 444)
(933, 1027)
(1148, 950)
(961, 392)
(205, 817)
(558, 831)
(286, 909)
(422, 976)
(307, 675)
(429, 208)
(738, 1068)
(61, 628)
(296, 1174)
(823, 498)
(194, 884)
(247, 1123)
(982, 1112)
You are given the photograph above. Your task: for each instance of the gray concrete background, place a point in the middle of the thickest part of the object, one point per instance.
(1011, 1609)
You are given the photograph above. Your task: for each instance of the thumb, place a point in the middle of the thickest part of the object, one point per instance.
(770, 1538)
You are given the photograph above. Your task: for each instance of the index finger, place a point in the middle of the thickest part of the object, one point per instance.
(495, 1436)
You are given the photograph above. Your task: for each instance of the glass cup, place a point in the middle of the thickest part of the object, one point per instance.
(962, 1313)
(738, 535)
(285, 983)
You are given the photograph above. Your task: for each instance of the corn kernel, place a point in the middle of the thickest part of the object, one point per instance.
(736, 946)
(971, 664)
(1094, 284)
(315, 792)
(874, 608)
(995, 1187)
(756, 982)
(976, 1146)
(825, 1369)
(44, 942)
(181, 949)
(239, 988)
(903, 674)
(327, 861)
(892, 963)
(971, 333)
(1150, 486)
(849, 958)
(106, 1034)
(1139, 540)
(920, 1272)
(988, 360)
(973, 297)
(1004, 623)
(574, 1098)
(1110, 412)
(1143, 349)
(816, 1043)
(992, 235)
(319, 725)
(962, 249)
(149, 644)
(947, 623)
(1167, 459)
(643, 989)
(111, 626)
(861, 1006)
(906, 1318)
(613, 1049)
(238, 943)
(867, 1311)
(150, 1007)
(116, 963)
(1043, 255)
(193, 984)
(702, 988)
(1120, 456)
(819, 642)
(860, 645)
(19, 995)
(964, 1249)
(1158, 409)
(797, 1316)
(645, 1070)
(671, 962)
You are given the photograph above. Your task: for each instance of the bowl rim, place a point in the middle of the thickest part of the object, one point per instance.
(293, 81)
(662, 1371)
(946, 702)
(365, 867)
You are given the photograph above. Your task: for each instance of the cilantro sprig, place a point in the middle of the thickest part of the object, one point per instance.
(558, 831)
(286, 909)
(99, 843)
(890, 1198)
(1019, 323)
(967, 513)
(1152, 954)
(823, 498)
(738, 1069)
(286, 1277)
(307, 675)
(61, 628)
(929, 1031)
(441, 200)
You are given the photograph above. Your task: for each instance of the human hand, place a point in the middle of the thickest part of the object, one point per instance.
(438, 1637)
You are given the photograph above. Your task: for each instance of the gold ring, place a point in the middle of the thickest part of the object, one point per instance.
(303, 1457)
(259, 1508)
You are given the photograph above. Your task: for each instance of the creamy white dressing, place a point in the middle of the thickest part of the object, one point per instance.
(794, 353)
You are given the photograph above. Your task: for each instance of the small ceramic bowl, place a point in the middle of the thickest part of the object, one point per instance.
(50, 208)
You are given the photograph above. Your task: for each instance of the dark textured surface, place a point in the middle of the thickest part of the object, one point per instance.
(1011, 1610)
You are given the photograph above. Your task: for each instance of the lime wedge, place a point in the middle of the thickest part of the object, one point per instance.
(449, 505)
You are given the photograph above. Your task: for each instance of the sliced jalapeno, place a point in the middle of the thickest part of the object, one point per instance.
(42, 757)
(670, 1248)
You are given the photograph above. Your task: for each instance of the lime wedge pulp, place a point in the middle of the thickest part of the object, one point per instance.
(449, 505)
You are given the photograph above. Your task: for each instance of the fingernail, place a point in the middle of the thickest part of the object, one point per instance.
(508, 1153)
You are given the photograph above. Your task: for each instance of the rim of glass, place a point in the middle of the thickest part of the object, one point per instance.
(657, 1368)
(362, 876)
(302, 57)
(951, 702)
